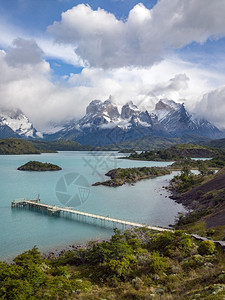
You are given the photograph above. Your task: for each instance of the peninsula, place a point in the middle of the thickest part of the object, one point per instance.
(121, 176)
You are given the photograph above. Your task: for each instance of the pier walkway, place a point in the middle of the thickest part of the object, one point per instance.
(56, 210)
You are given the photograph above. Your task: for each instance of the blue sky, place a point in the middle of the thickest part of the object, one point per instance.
(58, 55)
(34, 16)
(38, 14)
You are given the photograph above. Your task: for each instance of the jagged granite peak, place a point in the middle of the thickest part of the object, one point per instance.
(18, 123)
(106, 111)
(103, 124)
(128, 110)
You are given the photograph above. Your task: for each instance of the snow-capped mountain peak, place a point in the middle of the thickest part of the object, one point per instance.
(18, 123)
(128, 110)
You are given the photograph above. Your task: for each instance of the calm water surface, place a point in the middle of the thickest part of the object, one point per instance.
(20, 229)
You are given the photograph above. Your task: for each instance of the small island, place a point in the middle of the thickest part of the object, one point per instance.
(39, 166)
(121, 176)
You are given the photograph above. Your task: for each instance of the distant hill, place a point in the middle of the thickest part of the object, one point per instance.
(58, 146)
(178, 152)
(149, 143)
(17, 146)
(220, 143)
(21, 146)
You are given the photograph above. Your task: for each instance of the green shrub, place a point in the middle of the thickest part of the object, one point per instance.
(121, 269)
(28, 257)
(193, 262)
(59, 271)
(158, 264)
(206, 248)
(172, 244)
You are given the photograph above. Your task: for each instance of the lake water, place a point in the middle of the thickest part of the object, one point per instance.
(20, 229)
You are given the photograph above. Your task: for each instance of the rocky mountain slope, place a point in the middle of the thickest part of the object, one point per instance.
(178, 121)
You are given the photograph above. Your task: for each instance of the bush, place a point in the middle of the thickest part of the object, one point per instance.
(206, 248)
(172, 244)
(158, 264)
(193, 262)
(121, 269)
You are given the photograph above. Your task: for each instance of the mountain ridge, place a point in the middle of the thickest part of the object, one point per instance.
(103, 124)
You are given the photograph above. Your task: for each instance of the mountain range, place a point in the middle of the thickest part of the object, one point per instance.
(105, 124)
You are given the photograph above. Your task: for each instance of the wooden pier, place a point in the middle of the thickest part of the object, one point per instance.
(56, 210)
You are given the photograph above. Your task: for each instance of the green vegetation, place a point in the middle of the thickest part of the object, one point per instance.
(121, 176)
(178, 152)
(204, 194)
(219, 143)
(138, 264)
(186, 180)
(154, 143)
(17, 146)
(206, 248)
(39, 166)
(20, 146)
(59, 146)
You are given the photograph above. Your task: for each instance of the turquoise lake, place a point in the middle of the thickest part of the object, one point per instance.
(20, 229)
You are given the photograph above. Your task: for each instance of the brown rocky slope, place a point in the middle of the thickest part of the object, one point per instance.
(209, 196)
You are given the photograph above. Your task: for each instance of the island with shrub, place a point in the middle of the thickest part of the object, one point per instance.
(39, 166)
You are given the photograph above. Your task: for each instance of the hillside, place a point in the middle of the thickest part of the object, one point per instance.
(138, 264)
(21, 146)
(207, 201)
(220, 143)
(17, 146)
(58, 146)
(154, 143)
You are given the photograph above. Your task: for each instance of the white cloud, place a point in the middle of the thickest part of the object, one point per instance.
(10, 33)
(141, 40)
(24, 52)
(26, 83)
(212, 107)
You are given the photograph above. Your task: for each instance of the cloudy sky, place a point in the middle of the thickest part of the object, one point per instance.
(58, 55)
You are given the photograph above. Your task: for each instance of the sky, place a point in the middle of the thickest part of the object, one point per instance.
(58, 55)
